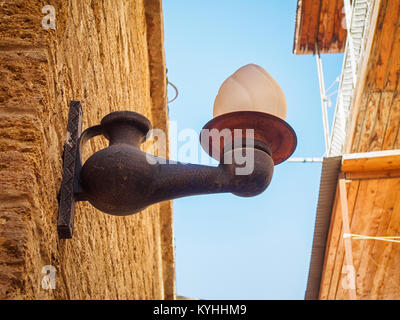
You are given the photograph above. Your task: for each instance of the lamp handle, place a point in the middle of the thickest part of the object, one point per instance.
(86, 135)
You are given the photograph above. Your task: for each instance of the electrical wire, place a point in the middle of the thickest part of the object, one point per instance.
(361, 237)
(176, 91)
(305, 160)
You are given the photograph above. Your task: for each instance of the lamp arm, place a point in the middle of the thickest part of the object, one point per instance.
(176, 180)
(123, 180)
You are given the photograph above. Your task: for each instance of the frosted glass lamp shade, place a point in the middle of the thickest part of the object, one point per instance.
(250, 99)
(250, 88)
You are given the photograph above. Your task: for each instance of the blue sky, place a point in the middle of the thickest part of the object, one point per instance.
(229, 247)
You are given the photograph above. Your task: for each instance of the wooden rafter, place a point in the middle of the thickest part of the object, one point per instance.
(319, 22)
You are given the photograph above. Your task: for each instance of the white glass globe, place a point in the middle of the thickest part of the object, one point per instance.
(250, 88)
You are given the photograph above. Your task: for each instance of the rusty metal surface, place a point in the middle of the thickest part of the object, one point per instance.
(120, 180)
(123, 180)
(66, 210)
(270, 131)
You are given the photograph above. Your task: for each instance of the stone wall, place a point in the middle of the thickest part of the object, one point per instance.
(108, 54)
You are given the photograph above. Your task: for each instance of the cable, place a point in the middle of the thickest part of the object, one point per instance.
(305, 160)
(176, 91)
(333, 83)
(361, 237)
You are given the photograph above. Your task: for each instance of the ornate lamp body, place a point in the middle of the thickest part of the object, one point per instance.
(120, 179)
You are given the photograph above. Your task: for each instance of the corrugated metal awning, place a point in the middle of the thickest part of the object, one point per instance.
(329, 177)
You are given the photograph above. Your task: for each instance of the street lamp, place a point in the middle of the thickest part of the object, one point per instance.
(248, 123)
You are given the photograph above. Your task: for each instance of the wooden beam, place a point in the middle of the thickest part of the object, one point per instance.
(365, 175)
(386, 44)
(381, 122)
(386, 285)
(347, 241)
(313, 24)
(363, 76)
(374, 113)
(392, 76)
(392, 127)
(334, 254)
(369, 122)
(327, 23)
(358, 122)
(359, 222)
(319, 20)
(371, 161)
(374, 254)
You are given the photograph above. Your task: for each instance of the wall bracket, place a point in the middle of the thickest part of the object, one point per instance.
(66, 209)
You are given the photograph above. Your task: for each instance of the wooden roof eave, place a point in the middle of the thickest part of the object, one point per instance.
(368, 165)
(319, 22)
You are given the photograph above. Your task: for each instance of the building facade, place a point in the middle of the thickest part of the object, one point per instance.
(110, 56)
(356, 245)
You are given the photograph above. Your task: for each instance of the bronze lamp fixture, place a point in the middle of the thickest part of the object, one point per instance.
(120, 180)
